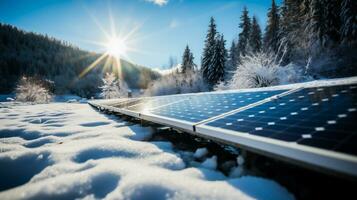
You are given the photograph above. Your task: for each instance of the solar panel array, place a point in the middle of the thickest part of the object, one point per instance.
(196, 108)
(322, 117)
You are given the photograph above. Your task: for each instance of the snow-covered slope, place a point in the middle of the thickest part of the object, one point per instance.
(68, 151)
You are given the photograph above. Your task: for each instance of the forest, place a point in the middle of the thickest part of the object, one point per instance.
(34, 55)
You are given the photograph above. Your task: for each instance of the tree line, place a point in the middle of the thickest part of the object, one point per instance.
(303, 32)
(35, 55)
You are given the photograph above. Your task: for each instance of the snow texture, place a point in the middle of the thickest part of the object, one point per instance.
(200, 152)
(70, 151)
(210, 163)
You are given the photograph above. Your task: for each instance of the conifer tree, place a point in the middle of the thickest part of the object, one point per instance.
(289, 17)
(217, 72)
(289, 26)
(348, 17)
(332, 20)
(245, 27)
(187, 61)
(271, 36)
(232, 61)
(255, 38)
(316, 25)
(208, 51)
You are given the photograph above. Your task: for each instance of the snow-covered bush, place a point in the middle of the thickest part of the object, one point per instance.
(177, 83)
(32, 90)
(262, 70)
(113, 87)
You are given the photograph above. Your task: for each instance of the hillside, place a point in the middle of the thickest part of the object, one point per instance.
(31, 54)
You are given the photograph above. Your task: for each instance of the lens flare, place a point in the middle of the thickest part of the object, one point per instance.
(116, 47)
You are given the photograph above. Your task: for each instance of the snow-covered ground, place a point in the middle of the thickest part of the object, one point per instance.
(69, 151)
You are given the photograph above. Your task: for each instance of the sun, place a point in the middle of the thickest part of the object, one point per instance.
(116, 47)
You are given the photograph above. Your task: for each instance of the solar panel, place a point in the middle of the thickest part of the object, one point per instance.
(314, 125)
(196, 108)
(322, 117)
(151, 103)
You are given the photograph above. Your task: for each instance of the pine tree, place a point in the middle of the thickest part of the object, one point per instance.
(208, 51)
(216, 74)
(271, 36)
(289, 16)
(187, 61)
(245, 26)
(255, 38)
(348, 17)
(316, 25)
(304, 19)
(289, 26)
(232, 61)
(332, 20)
(113, 87)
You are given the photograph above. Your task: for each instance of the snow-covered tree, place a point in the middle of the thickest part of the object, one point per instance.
(245, 26)
(217, 72)
(289, 25)
(208, 51)
(232, 61)
(113, 87)
(332, 20)
(348, 17)
(271, 36)
(177, 83)
(316, 25)
(255, 38)
(187, 61)
(32, 90)
(262, 70)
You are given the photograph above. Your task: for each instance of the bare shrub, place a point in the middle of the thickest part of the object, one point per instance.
(30, 89)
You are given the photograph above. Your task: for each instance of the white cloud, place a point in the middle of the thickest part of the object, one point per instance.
(158, 2)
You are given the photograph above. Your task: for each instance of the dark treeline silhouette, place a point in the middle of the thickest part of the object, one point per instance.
(30, 54)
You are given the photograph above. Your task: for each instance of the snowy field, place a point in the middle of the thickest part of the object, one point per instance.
(70, 151)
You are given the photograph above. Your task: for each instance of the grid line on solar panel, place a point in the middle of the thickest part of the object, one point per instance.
(323, 117)
(139, 104)
(197, 108)
(153, 103)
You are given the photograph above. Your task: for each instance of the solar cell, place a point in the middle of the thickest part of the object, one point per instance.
(151, 103)
(323, 117)
(196, 108)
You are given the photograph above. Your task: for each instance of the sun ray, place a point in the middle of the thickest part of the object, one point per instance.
(111, 20)
(118, 67)
(116, 46)
(108, 62)
(91, 66)
(95, 20)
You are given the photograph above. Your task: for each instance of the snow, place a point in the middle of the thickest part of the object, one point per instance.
(210, 163)
(70, 151)
(240, 160)
(200, 152)
(236, 172)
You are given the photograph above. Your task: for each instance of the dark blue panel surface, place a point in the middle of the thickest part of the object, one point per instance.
(203, 106)
(324, 117)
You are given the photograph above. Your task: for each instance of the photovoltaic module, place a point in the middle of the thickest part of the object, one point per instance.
(311, 123)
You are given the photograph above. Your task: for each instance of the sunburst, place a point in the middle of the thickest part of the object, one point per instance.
(116, 47)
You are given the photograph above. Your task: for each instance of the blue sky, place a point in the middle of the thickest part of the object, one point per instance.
(162, 28)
